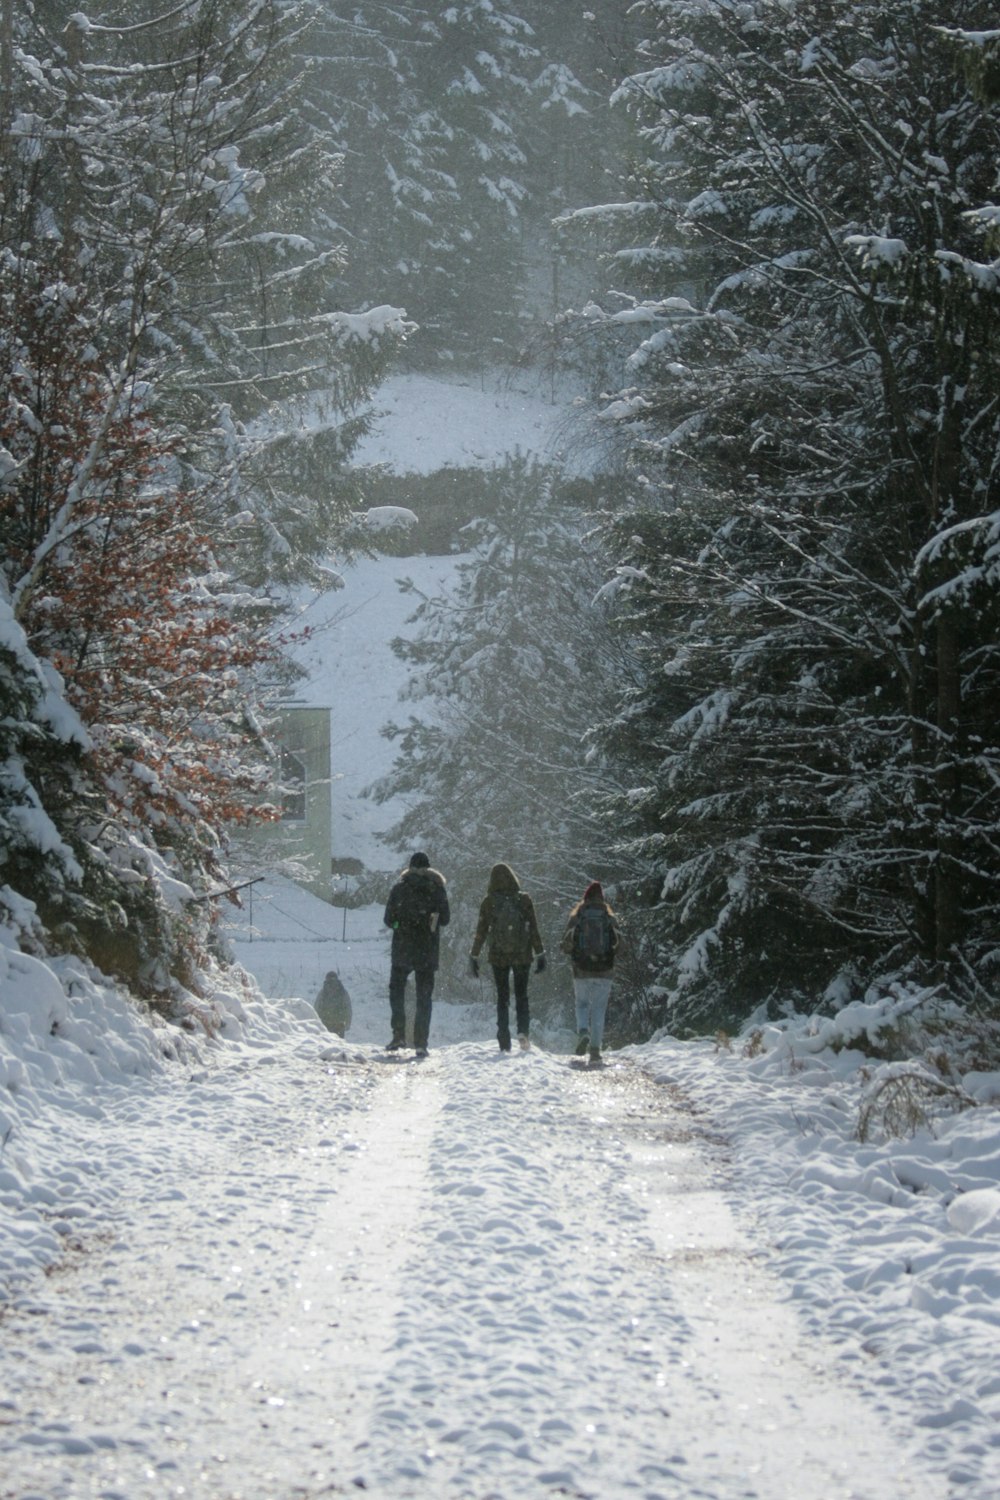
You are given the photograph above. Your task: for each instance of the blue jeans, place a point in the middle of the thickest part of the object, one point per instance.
(592, 1006)
(397, 1003)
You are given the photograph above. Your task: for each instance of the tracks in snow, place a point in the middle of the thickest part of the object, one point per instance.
(480, 1278)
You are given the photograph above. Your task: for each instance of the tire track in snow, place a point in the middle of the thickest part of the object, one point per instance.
(584, 1318)
(479, 1278)
(223, 1343)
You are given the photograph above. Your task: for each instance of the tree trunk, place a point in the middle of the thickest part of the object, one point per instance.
(947, 876)
(948, 504)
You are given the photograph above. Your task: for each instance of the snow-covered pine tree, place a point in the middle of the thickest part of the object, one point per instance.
(811, 583)
(511, 673)
(171, 160)
(41, 745)
(463, 130)
(425, 103)
(575, 142)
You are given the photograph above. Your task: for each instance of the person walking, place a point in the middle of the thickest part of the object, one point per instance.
(416, 911)
(590, 941)
(507, 923)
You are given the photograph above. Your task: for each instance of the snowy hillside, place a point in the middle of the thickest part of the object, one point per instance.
(351, 669)
(425, 424)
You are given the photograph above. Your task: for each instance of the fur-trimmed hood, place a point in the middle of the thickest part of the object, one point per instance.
(418, 873)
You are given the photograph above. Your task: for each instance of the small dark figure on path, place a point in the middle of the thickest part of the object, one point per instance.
(333, 1004)
(591, 940)
(507, 922)
(416, 911)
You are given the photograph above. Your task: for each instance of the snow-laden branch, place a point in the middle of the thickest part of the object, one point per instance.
(61, 523)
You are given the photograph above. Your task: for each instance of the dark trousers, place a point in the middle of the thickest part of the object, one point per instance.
(501, 978)
(397, 1003)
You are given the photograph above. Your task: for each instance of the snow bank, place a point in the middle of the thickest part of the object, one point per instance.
(68, 1040)
(892, 1245)
(61, 1036)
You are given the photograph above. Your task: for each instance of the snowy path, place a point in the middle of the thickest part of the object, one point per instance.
(479, 1277)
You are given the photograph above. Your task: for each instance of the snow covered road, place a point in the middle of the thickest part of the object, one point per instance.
(480, 1276)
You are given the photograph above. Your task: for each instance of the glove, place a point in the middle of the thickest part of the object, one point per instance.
(474, 966)
(540, 963)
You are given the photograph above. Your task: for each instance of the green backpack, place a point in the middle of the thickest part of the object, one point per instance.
(508, 929)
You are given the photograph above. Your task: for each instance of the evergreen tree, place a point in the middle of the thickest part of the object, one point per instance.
(811, 582)
(425, 105)
(41, 743)
(512, 670)
(463, 130)
(170, 163)
(158, 312)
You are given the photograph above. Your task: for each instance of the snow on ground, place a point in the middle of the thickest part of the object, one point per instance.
(290, 1264)
(423, 424)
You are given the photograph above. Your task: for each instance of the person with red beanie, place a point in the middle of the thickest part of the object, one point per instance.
(590, 941)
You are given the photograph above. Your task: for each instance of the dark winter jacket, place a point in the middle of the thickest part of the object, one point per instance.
(416, 911)
(593, 969)
(506, 948)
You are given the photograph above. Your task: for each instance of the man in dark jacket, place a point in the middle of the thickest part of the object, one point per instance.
(416, 911)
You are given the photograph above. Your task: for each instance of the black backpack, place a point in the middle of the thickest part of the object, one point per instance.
(593, 937)
(416, 902)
